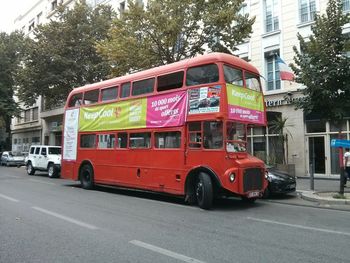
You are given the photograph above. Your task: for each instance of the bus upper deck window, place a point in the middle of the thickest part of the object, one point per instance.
(125, 90)
(76, 100)
(170, 81)
(109, 93)
(91, 97)
(142, 87)
(202, 75)
(252, 81)
(233, 76)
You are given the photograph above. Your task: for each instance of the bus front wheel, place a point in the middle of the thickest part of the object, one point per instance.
(204, 191)
(87, 177)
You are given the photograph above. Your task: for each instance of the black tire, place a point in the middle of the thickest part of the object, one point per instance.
(86, 176)
(30, 169)
(52, 170)
(204, 191)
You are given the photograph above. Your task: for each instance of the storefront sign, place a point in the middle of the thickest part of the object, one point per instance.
(338, 143)
(245, 105)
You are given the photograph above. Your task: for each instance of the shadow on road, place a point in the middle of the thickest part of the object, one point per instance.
(220, 204)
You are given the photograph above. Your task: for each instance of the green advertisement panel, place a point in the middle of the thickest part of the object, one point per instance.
(245, 98)
(115, 116)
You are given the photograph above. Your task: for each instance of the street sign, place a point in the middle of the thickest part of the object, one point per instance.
(340, 143)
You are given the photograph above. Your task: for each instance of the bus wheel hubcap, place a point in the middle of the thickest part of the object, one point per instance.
(199, 190)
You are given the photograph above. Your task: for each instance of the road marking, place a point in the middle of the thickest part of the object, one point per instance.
(66, 218)
(9, 198)
(165, 252)
(300, 226)
(39, 181)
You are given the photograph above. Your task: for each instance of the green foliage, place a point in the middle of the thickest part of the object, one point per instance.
(323, 65)
(63, 55)
(166, 31)
(12, 50)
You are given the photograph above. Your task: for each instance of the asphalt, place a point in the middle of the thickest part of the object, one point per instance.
(325, 194)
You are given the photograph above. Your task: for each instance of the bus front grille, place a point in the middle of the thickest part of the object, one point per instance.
(253, 179)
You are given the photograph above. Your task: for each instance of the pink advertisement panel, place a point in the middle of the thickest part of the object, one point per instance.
(244, 114)
(166, 110)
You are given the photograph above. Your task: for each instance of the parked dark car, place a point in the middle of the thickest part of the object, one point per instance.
(279, 182)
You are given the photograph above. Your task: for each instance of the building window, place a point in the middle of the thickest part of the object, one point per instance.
(307, 10)
(273, 73)
(31, 25)
(35, 115)
(26, 115)
(271, 15)
(53, 5)
(122, 7)
(35, 140)
(244, 9)
(38, 18)
(346, 5)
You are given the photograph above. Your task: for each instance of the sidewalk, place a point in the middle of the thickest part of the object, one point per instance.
(324, 191)
(320, 197)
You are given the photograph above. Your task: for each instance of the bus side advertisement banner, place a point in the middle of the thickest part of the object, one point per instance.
(156, 111)
(245, 105)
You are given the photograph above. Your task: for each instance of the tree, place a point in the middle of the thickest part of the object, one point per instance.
(166, 31)
(323, 66)
(63, 55)
(280, 126)
(12, 50)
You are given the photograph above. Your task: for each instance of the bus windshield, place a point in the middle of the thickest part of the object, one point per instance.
(236, 137)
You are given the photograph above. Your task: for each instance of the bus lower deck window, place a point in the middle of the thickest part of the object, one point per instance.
(87, 140)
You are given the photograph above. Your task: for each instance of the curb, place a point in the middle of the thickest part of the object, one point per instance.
(314, 197)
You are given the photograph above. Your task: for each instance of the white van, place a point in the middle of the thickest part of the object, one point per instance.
(44, 158)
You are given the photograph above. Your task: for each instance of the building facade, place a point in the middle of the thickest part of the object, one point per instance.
(306, 139)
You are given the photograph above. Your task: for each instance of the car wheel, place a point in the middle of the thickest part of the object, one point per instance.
(204, 191)
(7, 163)
(30, 169)
(87, 177)
(52, 170)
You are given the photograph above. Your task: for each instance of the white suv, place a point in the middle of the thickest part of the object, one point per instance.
(44, 158)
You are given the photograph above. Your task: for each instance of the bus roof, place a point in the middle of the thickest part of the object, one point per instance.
(173, 67)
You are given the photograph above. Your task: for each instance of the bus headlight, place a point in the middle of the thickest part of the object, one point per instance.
(232, 177)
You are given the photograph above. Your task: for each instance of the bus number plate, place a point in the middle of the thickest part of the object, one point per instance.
(253, 194)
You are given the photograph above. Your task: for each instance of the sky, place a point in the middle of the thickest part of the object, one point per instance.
(10, 10)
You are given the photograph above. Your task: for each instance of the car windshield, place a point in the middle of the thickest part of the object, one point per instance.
(54, 150)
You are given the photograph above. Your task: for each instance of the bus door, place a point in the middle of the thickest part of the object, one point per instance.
(205, 143)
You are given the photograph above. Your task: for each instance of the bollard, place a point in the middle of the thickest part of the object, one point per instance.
(311, 177)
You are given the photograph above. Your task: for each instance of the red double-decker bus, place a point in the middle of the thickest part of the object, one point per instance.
(179, 129)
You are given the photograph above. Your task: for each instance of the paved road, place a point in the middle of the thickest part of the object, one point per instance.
(54, 220)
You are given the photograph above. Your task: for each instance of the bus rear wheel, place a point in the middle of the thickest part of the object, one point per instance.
(204, 191)
(87, 177)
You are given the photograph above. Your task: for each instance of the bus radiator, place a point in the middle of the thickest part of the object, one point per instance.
(253, 179)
